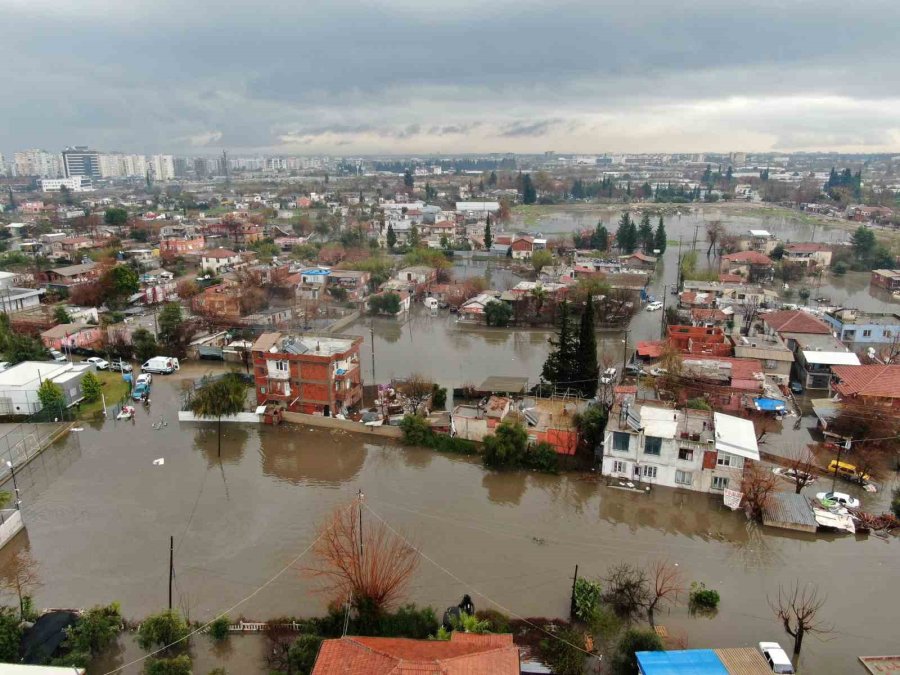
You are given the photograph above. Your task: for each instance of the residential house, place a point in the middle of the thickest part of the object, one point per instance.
(696, 300)
(888, 279)
(692, 449)
(552, 421)
(416, 275)
(710, 317)
(19, 384)
(62, 279)
(69, 246)
(761, 241)
(463, 654)
(726, 383)
(871, 385)
(219, 301)
(752, 266)
(69, 336)
(308, 374)
(474, 422)
(859, 330)
(523, 246)
(639, 260)
(815, 355)
(699, 340)
(354, 283)
(217, 260)
(473, 308)
(771, 351)
(794, 321)
(180, 246)
(808, 257)
(729, 661)
(16, 299)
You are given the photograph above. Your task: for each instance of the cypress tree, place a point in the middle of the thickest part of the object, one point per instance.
(587, 366)
(488, 237)
(561, 366)
(645, 234)
(391, 237)
(660, 239)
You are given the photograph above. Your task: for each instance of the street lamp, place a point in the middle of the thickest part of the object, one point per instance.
(15, 485)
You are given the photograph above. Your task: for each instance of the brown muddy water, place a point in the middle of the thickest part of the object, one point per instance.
(99, 515)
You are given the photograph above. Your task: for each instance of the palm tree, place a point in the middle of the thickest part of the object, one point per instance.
(219, 398)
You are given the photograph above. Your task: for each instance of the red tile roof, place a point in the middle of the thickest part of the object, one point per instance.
(809, 247)
(651, 349)
(752, 257)
(699, 314)
(219, 253)
(463, 654)
(742, 370)
(731, 278)
(876, 380)
(796, 321)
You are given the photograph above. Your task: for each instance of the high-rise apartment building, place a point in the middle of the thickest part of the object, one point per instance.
(81, 161)
(162, 167)
(38, 163)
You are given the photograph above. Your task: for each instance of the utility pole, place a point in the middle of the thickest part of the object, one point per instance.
(625, 352)
(359, 506)
(678, 277)
(694, 244)
(372, 336)
(572, 598)
(171, 567)
(662, 318)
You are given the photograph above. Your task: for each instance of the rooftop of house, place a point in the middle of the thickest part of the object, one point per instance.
(650, 349)
(74, 270)
(795, 321)
(462, 654)
(33, 372)
(854, 316)
(880, 381)
(817, 342)
(303, 344)
(63, 330)
(752, 257)
(893, 274)
(219, 253)
(806, 247)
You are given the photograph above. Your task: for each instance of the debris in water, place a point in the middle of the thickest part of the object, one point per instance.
(159, 462)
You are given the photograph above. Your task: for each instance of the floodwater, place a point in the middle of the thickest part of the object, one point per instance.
(99, 515)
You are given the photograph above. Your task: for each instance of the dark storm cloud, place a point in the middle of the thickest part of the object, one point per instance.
(172, 76)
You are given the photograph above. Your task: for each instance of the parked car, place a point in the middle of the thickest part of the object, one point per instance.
(120, 366)
(144, 378)
(99, 364)
(634, 369)
(608, 376)
(841, 498)
(654, 306)
(161, 364)
(776, 657)
(847, 471)
(57, 356)
(141, 390)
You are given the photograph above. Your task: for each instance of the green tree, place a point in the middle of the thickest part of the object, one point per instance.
(529, 193)
(177, 665)
(414, 240)
(645, 234)
(488, 237)
(624, 661)
(145, 346)
(169, 321)
(218, 629)
(659, 239)
(384, 303)
(60, 315)
(408, 179)
(51, 396)
(497, 313)
(863, 242)
(391, 237)
(10, 635)
(561, 367)
(591, 424)
(115, 216)
(600, 238)
(540, 259)
(167, 629)
(91, 387)
(18, 347)
(95, 630)
(627, 234)
(118, 283)
(220, 398)
(586, 353)
(506, 446)
(303, 651)
(566, 654)
(804, 294)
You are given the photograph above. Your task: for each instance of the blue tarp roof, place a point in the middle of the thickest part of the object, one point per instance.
(686, 662)
(769, 404)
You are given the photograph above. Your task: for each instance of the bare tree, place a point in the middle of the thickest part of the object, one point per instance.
(626, 589)
(665, 587)
(21, 578)
(797, 608)
(803, 466)
(366, 562)
(868, 462)
(714, 230)
(757, 484)
(417, 389)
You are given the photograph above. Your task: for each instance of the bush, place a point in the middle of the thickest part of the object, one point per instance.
(302, 653)
(895, 502)
(604, 622)
(587, 598)
(840, 268)
(163, 629)
(91, 387)
(498, 621)
(385, 303)
(438, 397)
(416, 431)
(10, 635)
(408, 621)
(218, 629)
(698, 403)
(178, 665)
(702, 597)
(565, 655)
(95, 630)
(623, 661)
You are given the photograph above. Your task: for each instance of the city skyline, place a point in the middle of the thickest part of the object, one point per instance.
(405, 78)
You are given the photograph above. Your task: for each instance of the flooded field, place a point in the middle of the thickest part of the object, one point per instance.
(99, 515)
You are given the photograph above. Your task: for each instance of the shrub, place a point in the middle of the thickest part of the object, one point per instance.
(10, 635)
(438, 397)
(218, 629)
(840, 268)
(178, 665)
(302, 653)
(499, 622)
(416, 431)
(160, 630)
(91, 387)
(623, 661)
(604, 622)
(587, 598)
(698, 403)
(702, 597)
(408, 621)
(565, 655)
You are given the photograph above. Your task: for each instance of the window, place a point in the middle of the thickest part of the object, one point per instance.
(887, 333)
(620, 467)
(723, 459)
(770, 364)
(652, 445)
(849, 334)
(281, 366)
(867, 333)
(686, 454)
(684, 477)
(649, 471)
(621, 441)
(719, 483)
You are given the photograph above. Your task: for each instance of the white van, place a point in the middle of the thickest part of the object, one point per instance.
(165, 365)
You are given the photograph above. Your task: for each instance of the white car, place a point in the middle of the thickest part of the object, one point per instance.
(99, 364)
(653, 306)
(776, 657)
(841, 498)
(143, 377)
(608, 376)
(57, 356)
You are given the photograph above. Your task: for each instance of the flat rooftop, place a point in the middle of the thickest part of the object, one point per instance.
(32, 372)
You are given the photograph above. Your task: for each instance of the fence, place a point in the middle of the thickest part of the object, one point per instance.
(23, 442)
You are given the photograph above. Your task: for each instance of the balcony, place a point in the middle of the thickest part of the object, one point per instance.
(345, 369)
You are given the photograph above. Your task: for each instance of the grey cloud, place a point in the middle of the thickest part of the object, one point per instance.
(538, 128)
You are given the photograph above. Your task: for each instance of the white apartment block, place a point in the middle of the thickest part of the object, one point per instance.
(162, 167)
(690, 449)
(118, 165)
(74, 184)
(38, 163)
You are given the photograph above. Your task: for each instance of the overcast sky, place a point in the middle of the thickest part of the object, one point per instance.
(419, 76)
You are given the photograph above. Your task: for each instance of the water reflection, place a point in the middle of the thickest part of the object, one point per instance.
(505, 487)
(234, 440)
(311, 457)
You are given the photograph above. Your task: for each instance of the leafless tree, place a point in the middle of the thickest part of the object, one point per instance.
(627, 589)
(798, 610)
(665, 587)
(21, 577)
(868, 462)
(714, 230)
(803, 464)
(365, 561)
(417, 389)
(757, 485)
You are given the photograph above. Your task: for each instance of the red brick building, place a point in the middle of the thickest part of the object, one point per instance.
(308, 374)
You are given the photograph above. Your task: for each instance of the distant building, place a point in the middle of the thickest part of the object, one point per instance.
(308, 374)
(73, 184)
(872, 385)
(81, 161)
(39, 163)
(753, 266)
(761, 241)
(68, 336)
(19, 385)
(859, 330)
(15, 299)
(810, 256)
(888, 279)
(218, 259)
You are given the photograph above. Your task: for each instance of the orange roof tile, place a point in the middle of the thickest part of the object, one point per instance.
(796, 321)
(880, 381)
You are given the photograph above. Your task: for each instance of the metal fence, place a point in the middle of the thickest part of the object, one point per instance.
(21, 442)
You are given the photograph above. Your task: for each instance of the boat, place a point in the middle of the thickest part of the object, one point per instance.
(126, 413)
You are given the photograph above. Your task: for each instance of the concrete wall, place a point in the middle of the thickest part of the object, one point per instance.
(344, 425)
(340, 324)
(244, 417)
(11, 526)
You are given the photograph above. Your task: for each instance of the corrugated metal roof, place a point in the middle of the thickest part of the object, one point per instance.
(787, 507)
(743, 661)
